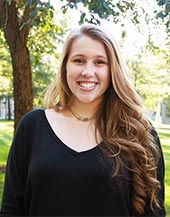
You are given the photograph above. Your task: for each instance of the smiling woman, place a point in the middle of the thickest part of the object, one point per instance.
(91, 151)
(88, 75)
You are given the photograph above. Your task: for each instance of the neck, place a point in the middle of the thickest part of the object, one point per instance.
(80, 118)
(83, 112)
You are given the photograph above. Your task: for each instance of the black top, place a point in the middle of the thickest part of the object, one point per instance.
(44, 177)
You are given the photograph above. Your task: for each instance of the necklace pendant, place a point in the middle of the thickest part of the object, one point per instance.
(83, 119)
(78, 117)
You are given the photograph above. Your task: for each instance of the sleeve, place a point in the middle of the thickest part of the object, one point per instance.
(160, 177)
(14, 185)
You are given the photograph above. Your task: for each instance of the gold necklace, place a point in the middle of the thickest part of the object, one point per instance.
(79, 118)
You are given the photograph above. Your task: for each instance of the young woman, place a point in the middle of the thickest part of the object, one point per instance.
(91, 151)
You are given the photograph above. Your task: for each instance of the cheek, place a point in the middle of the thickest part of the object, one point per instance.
(106, 77)
(71, 71)
(106, 82)
(71, 77)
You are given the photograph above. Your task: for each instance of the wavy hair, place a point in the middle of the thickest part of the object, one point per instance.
(125, 131)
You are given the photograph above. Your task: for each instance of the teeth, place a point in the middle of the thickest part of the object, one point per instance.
(87, 85)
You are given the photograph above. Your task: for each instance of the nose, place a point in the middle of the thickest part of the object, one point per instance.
(88, 70)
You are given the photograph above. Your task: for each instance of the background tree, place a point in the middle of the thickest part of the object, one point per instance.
(163, 12)
(44, 43)
(16, 31)
(168, 106)
(6, 87)
(150, 77)
(18, 17)
(116, 10)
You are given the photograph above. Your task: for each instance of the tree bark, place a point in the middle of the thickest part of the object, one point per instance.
(22, 82)
(16, 35)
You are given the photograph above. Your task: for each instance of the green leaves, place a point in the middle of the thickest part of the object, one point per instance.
(115, 11)
(111, 10)
(40, 12)
(5, 69)
(150, 75)
(164, 12)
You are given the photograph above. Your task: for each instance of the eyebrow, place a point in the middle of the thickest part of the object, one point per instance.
(96, 56)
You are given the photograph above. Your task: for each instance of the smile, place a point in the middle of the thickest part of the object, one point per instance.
(87, 85)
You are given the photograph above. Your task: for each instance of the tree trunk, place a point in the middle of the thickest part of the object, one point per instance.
(22, 82)
(16, 38)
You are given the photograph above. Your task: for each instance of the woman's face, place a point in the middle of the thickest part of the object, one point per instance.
(88, 74)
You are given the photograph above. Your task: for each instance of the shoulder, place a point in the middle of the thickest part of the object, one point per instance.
(153, 131)
(31, 118)
(33, 114)
(155, 136)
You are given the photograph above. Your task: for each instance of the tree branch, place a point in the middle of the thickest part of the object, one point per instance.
(9, 21)
(25, 24)
(3, 13)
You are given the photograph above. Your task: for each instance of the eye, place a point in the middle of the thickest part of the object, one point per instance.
(78, 60)
(100, 62)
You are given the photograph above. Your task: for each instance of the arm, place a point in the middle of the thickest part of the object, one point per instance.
(160, 177)
(14, 186)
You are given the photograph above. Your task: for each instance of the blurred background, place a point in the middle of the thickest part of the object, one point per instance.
(31, 37)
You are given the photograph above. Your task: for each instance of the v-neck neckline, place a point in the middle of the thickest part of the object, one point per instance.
(66, 147)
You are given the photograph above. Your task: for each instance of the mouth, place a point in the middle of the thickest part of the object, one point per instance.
(87, 85)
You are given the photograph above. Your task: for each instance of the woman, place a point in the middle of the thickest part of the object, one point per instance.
(91, 151)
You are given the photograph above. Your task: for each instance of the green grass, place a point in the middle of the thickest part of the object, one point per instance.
(1, 184)
(164, 134)
(6, 135)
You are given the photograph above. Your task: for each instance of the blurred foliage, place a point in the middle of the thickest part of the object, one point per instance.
(151, 76)
(45, 36)
(164, 12)
(150, 68)
(6, 85)
(168, 105)
(116, 10)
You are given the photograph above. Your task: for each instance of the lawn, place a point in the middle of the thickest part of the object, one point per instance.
(164, 134)
(6, 134)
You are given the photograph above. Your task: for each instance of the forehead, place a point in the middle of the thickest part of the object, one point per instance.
(87, 46)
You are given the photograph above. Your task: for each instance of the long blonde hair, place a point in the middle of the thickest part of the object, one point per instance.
(125, 131)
